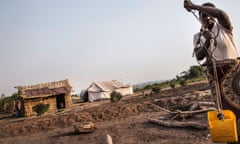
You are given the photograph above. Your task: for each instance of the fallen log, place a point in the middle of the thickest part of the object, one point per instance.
(179, 124)
(178, 114)
(191, 110)
(187, 114)
(196, 105)
(207, 104)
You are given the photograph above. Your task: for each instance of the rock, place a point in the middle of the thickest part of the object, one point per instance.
(85, 127)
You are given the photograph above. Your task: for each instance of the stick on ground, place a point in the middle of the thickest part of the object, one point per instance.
(177, 123)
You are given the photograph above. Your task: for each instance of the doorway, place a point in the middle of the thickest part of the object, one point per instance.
(60, 101)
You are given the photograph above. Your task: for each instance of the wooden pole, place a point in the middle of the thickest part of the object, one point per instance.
(108, 139)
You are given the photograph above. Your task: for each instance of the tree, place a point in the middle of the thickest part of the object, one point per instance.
(115, 96)
(11, 99)
(40, 108)
(156, 89)
(195, 71)
(173, 84)
(183, 82)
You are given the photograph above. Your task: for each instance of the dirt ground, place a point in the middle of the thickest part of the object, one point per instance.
(125, 121)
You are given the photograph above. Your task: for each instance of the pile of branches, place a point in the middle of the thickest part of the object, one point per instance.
(178, 118)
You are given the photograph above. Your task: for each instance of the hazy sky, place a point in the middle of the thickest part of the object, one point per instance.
(97, 40)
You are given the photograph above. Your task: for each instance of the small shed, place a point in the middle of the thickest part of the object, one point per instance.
(102, 90)
(56, 94)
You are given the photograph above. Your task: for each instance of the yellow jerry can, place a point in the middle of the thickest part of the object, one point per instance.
(223, 130)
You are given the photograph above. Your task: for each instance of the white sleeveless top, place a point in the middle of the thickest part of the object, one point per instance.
(225, 47)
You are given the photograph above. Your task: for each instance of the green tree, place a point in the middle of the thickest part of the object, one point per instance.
(195, 71)
(156, 89)
(183, 82)
(9, 99)
(115, 96)
(40, 108)
(173, 84)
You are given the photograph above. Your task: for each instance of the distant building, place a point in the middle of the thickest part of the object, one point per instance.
(102, 90)
(56, 94)
(2, 96)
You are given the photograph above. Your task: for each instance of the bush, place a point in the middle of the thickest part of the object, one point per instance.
(8, 100)
(115, 96)
(172, 85)
(183, 82)
(195, 71)
(40, 108)
(156, 89)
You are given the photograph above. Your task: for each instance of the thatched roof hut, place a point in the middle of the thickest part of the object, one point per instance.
(56, 94)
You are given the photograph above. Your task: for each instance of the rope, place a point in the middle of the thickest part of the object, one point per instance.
(215, 74)
(216, 82)
(194, 14)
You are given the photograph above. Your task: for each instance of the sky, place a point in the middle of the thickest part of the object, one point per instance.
(132, 41)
